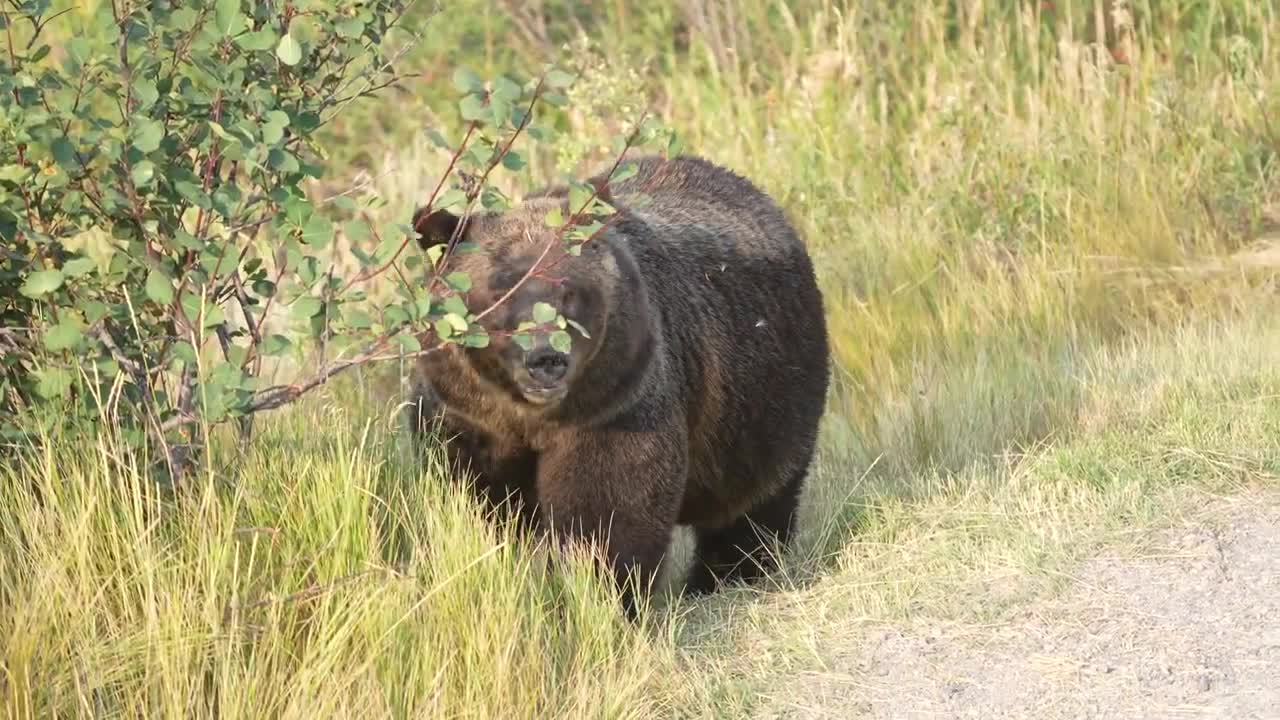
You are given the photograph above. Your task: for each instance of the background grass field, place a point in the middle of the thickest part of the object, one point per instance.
(1053, 312)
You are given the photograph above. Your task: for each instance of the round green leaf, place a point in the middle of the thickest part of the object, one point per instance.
(65, 153)
(52, 382)
(623, 172)
(272, 134)
(145, 92)
(513, 160)
(318, 232)
(579, 195)
(394, 316)
(79, 266)
(183, 18)
(297, 211)
(192, 306)
(472, 108)
(42, 282)
(280, 160)
(560, 340)
(434, 253)
(454, 304)
(306, 307)
(213, 315)
(159, 289)
(259, 40)
(543, 313)
(228, 17)
(350, 28)
(505, 88)
(558, 79)
(359, 319)
(459, 281)
(451, 197)
(438, 140)
(443, 328)
(93, 310)
(236, 354)
(356, 231)
(289, 51)
(274, 345)
(458, 322)
(466, 80)
(142, 173)
(674, 145)
(62, 336)
(15, 173)
(185, 352)
(147, 134)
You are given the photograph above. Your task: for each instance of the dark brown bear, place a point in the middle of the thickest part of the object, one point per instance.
(696, 398)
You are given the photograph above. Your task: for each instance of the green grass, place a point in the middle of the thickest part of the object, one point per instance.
(1041, 338)
(1162, 428)
(326, 573)
(319, 577)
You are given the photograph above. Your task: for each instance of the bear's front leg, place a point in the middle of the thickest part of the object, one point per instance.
(620, 485)
(500, 475)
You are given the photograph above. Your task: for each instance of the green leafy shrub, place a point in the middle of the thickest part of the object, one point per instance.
(181, 137)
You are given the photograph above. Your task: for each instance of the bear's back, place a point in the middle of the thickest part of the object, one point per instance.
(687, 197)
(742, 320)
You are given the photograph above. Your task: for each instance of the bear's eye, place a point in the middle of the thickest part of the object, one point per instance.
(571, 300)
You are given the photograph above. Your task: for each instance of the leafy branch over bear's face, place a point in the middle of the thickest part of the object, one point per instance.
(179, 142)
(525, 343)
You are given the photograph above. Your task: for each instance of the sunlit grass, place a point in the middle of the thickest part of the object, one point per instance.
(323, 575)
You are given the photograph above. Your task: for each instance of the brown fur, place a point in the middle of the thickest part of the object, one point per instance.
(696, 398)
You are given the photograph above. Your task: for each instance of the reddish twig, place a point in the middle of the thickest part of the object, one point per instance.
(571, 222)
(366, 274)
(519, 282)
(278, 395)
(437, 272)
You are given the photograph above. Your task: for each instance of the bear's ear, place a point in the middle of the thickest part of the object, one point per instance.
(434, 227)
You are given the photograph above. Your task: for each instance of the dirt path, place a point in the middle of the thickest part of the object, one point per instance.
(1186, 627)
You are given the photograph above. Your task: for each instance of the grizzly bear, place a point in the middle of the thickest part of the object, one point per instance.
(693, 398)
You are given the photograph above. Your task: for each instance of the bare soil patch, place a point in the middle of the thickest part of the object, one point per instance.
(1185, 623)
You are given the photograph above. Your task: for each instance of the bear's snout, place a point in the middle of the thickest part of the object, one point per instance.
(546, 366)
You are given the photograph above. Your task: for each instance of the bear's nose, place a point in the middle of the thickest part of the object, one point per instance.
(546, 365)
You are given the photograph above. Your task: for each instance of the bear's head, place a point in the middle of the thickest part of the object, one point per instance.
(514, 262)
